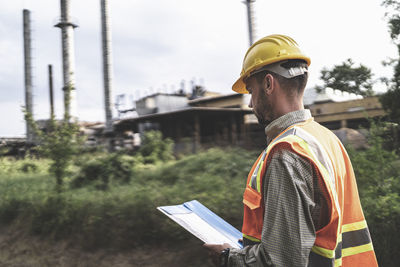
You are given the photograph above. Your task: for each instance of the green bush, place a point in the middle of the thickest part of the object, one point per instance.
(29, 167)
(378, 179)
(12, 166)
(103, 170)
(154, 148)
(125, 215)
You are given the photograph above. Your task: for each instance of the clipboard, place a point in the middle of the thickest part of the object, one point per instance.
(203, 223)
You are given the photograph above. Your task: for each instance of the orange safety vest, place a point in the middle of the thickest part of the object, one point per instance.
(345, 240)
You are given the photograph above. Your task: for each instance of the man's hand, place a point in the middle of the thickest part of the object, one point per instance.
(214, 251)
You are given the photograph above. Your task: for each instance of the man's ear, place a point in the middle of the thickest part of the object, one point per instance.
(268, 83)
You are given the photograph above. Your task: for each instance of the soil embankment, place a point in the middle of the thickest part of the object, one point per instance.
(19, 249)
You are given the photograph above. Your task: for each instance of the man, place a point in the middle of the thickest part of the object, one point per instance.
(301, 204)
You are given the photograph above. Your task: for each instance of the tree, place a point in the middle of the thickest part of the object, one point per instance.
(348, 78)
(391, 99)
(378, 178)
(59, 141)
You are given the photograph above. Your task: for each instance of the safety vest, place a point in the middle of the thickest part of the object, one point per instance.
(345, 240)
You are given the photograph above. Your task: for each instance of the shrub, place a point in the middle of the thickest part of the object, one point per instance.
(103, 170)
(125, 215)
(154, 148)
(378, 180)
(28, 167)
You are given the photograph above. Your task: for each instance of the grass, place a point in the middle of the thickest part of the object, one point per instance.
(124, 215)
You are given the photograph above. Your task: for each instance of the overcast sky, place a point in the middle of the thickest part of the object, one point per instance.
(157, 44)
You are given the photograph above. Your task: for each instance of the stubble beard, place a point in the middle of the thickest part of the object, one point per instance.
(264, 118)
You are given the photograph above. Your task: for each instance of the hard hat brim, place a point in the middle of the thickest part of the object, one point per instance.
(240, 87)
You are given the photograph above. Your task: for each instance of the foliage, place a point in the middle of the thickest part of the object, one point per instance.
(391, 99)
(59, 141)
(348, 78)
(378, 179)
(155, 149)
(391, 103)
(102, 170)
(12, 166)
(125, 215)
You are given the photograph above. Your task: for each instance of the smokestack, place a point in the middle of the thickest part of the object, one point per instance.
(68, 54)
(250, 18)
(28, 71)
(107, 63)
(51, 92)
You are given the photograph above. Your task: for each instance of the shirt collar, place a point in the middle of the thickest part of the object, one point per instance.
(282, 123)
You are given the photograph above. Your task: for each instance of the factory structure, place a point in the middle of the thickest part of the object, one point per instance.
(226, 120)
(193, 121)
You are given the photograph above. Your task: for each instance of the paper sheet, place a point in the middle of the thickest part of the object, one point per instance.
(199, 227)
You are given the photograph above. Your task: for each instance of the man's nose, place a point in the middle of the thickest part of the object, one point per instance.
(251, 102)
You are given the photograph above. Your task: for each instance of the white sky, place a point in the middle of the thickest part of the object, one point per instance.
(159, 43)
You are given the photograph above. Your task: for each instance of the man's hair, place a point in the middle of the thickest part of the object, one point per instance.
(294, 86)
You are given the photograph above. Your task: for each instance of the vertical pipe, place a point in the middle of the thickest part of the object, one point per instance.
(250, 19)
(107, 64)
(51, 92)
(28, 72)
(68, 54)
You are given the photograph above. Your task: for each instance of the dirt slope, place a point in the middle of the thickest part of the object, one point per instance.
(18, 249)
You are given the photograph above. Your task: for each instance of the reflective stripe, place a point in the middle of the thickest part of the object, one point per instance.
(319, 151)
(349, 243)
(327, 253)
(259, 174)
(356, 250)
(355, 238)
(354, 226)
(252, 238)
(255, 181)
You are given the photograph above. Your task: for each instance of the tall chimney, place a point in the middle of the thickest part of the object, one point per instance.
(250, 18)
(107, 63)
(68, 54)
(28, 71)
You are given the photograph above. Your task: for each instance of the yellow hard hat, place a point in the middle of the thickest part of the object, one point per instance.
(268, 50)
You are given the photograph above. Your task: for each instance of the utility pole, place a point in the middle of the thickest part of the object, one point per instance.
(28, 72)
(250, 19)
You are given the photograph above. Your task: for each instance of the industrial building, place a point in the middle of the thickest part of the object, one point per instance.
(226, 120)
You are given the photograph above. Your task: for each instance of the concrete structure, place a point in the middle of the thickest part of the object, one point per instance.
(28, 72)
(68, 56)
(107, 64)
(160, 103)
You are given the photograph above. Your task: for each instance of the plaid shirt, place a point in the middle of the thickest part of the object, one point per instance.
(295, 205)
